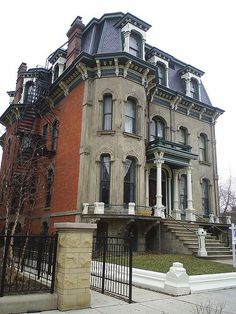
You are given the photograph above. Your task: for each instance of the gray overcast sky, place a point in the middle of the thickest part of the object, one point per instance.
(201, 33)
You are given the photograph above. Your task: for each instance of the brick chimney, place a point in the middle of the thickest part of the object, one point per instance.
(19, 82)
(74, 40)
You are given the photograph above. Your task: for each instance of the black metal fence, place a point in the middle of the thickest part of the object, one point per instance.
(111, 269)
(27, 264)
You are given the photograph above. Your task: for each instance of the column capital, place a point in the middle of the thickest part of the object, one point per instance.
(159, 157)
(176, 171)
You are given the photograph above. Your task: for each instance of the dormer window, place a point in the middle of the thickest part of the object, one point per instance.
(194, 89)
(161, 71)
(135, 45)
(30, 92)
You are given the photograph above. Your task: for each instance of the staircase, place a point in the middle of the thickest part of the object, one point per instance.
(185, 236)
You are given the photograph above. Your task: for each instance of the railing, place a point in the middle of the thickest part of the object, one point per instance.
(116, 209)
(111, 269)
(27, 264)
(160, 142)
(214, 227)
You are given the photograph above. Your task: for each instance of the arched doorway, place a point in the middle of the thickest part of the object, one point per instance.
(102, 229)
(151, 240)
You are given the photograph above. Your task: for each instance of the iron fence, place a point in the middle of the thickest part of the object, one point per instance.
(111, 269)
(27, 264)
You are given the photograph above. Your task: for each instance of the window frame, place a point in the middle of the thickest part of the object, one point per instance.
(50, 180)
(194, 93)
(107, 114)
(205, 187)
(157, 122)
(203, 148)
(105, 182)
(128, 118)
(161, 71)
(130, 181)
(137, 52)
(54, 135)
(183, 197)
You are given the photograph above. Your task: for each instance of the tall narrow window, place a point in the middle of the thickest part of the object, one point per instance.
(130, 116)
(129, 180)
(161, 70)
(157, 129)
(45, 132)
(105, 179)
(30, 92)
(203, 147)
(54, 135)
(107, 112)
(49, 188)
(205, 197)
(9, 147)
(194, 89)
(183, 135)
(135, 45)
(183, 193)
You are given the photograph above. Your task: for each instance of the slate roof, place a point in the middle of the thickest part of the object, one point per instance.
(103, 36)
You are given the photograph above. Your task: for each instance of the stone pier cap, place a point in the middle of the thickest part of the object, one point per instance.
(74, 225)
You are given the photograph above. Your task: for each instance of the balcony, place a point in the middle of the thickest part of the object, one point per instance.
(175, 154)
(101, 210)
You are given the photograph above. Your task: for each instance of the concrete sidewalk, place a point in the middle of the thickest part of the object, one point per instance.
(150, 302)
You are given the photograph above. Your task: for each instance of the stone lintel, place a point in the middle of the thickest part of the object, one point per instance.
(74, 225)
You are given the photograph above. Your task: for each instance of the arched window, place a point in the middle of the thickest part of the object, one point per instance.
(130, 116)
(203, 147)
(30, 92)
(107, 112)
(56, 72)
(205, 197)
(105, 176)
(161, 71)
(135, 45)
(50, 177)
(129, 180)
(183, 135)
(54, 135)
(194, 89)
(157, 129)
(183, 192)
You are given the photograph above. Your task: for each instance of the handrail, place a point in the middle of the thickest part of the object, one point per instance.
(177, 221)
(210, 223)
(163, 142)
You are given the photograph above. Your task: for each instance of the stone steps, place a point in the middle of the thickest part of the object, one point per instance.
(186, 235)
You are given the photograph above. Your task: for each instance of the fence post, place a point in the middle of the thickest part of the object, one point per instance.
(73, 265)
(201, 233)
(4, 264)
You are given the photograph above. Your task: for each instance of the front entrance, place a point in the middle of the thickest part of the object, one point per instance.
(152, 188)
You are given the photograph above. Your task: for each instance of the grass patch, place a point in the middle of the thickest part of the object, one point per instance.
(193, 265)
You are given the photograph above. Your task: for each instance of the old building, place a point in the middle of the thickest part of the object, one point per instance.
(126, 133)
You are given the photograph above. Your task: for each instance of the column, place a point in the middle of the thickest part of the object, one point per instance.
(167, 76)
(147, 187)
(143, 48)
(199, 90)
(159, 208)
(190, 210)
(73, 265)
(176, 211)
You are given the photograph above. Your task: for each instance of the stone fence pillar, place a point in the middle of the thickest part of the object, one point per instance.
(73, 265)
(201, 233)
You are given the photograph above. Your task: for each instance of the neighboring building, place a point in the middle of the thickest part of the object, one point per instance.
(128, 132)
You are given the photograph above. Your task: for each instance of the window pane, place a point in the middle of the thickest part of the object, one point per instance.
(105, 179)
(160, 129)
(130, 117)
(152, 130)
(183, 193)
(107, 112)
(129, 181)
